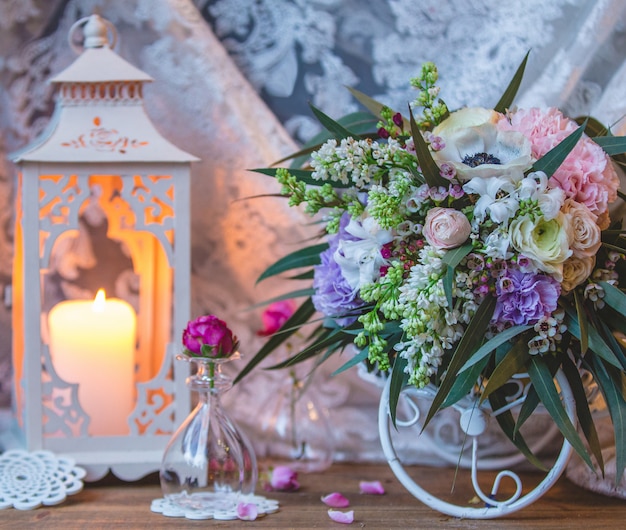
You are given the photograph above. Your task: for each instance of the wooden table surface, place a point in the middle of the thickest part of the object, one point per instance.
(111, 503)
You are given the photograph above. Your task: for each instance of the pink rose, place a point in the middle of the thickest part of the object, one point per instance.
(276, 315)
(208, 336)
(446, 228)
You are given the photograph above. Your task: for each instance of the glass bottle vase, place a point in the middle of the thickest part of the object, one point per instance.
(295, 429)
(209, 462)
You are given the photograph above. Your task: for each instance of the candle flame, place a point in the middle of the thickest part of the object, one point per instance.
(100, 301)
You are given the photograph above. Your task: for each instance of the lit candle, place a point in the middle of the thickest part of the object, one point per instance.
(92, 343)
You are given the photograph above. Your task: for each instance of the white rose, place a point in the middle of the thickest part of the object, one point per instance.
(545, 243)
(576, 270)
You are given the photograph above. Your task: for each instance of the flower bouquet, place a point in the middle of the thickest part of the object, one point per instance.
(463, 248)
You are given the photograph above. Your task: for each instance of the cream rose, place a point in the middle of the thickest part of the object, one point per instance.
(576, 271)
(446, 228)
(585, 232)
(545, 243)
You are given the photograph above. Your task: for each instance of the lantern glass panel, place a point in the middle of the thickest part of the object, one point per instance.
(112, 232)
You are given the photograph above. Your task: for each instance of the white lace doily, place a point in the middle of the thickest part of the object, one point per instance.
(215, 510)
(28, 480)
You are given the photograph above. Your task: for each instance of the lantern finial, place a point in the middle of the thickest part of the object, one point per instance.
(97, 33)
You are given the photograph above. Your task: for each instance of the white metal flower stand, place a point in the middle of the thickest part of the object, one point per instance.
(473, 420)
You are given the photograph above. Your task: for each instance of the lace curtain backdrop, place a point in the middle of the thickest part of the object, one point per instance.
(233, 79)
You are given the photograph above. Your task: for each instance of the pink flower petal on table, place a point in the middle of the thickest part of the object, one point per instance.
(335, 500)
(373, 487)
(284, 479)
(341, 517)
(247, 511)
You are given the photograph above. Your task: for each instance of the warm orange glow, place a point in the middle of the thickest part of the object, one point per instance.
(99, 302)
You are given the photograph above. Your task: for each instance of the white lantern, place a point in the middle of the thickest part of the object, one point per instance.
(94, 377)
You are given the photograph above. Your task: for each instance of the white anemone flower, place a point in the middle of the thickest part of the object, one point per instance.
(360, 261)
(497, 198)
(484, 151)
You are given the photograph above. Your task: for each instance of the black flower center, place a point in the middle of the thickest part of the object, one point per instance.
(479, 159)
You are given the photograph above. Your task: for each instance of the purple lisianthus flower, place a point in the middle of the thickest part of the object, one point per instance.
(523, 298)
(334, 297)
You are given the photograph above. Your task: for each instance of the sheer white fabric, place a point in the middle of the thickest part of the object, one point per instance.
(232, 79)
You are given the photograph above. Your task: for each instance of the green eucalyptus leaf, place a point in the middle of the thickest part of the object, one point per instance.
(612, 145)
(596, 342)
(464, 382)
(493, 343)
(299, 317)
(303, 175)
(511, 91)
(513, 363)
(429, 167)
(287, 296)
(582, 409)
(551, 161)
(337, 130)
(358, 358)
(300, 258)
(505, 419)
(473, 336)
(398, 380)
(617, 409)
(544, 384)
(452, 258)
(528, 407)
(582, 323)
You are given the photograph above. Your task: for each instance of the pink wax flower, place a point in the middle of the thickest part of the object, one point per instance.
(208, 336)
(284, 479)
(275, 315)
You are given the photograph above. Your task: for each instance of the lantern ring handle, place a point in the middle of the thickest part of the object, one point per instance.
(97, 32)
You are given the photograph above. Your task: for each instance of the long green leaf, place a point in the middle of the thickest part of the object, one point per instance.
(358, 358)
(398, 380)
(582, 323)
(327, 338)
(582, 409)
(509, 94)
(287, 296)
(614, 297)
(300, 316)
(551, 161)
(337, 130)
(472, 337)
(617, 409)
(493, 343)
(513, 363)
(544, 384)
(429, 167)
(303, 175)
(300, 258)
(596, 342)
(531, 401)
(612, 145)
(464, 383)
(505, 419)
(372, 105)
(452, 258)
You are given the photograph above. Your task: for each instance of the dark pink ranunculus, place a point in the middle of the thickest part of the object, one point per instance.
(276, 315)
(208, 336)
